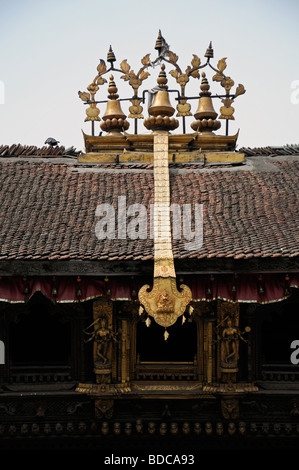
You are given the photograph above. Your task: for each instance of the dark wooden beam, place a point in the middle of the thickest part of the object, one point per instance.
(139, 267)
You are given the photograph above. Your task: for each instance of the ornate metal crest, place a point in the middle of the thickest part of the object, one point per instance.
(164, 302)
(182, 78)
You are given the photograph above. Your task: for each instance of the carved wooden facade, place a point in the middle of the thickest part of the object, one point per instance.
(176, 360)
(118, 385)
(121, 371)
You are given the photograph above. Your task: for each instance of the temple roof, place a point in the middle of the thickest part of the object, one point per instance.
(48, 205)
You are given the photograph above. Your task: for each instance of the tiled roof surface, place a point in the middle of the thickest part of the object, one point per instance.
(48, 211)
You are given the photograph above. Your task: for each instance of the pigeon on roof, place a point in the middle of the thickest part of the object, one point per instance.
(52, 142)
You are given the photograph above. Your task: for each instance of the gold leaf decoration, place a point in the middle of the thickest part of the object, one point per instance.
(227, 102)
(221, 64)
(135, 83)
(125, 66)
(184, 108)
(195, 74)
(93, 88)
(84, 95)
(183, 79)
(166, 335)
(145, 60)
(227, 83)
(92, 113)
(173, 57)
(101, 68)
(148, 321)
(101, 81)
(135, 112)
(174, 73)
(144, 75)
(240, 90)
(141, 310)
(195, 61)
(227, 111)
(218, 77)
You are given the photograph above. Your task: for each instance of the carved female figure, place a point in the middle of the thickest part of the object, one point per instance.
(102, 336)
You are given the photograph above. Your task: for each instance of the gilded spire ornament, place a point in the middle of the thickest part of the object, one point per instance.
(209, 52)
(111, 57)
(158, 44)
(205, 115)
(161, 109)
(135, 80)
(114, 120)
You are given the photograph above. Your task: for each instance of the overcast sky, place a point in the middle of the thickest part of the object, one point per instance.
(49, 50)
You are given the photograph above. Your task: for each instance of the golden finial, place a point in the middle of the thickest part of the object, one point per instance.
(161, 109)
(112, 89)
(110, 56)
(159, 41)
(114, 120)
(205, 114)
(162, 79)
(204, 86)
(209, 52)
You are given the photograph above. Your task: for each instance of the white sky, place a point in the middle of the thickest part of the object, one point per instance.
(50, 49)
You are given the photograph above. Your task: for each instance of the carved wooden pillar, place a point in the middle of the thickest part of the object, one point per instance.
(208, 348)
(125, 375)
(205, 337)
(250, 319)
(103, 339)
(228, 334)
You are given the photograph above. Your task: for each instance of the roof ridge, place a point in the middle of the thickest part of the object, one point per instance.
(271, 150)
(16, 150)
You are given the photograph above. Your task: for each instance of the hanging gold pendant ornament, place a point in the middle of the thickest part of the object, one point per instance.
(141, 310)
(166, 335)
(164, 302)
(148, 321)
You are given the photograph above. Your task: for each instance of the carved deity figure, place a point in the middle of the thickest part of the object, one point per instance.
(229, 342)
(164, 303)
(230, 336)
(102, 336)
